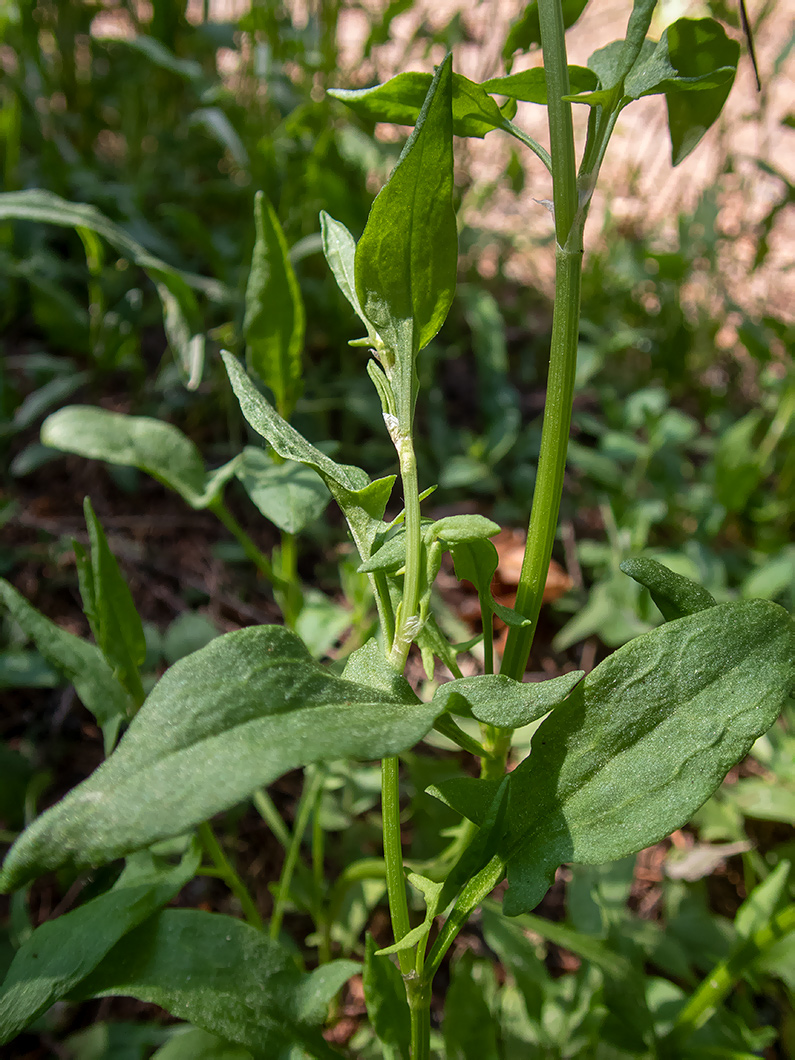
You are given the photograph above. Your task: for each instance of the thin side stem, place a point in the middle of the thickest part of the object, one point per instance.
(227, 873)
(393, 857)
(409, 606)
(271, 816)
(312, 783)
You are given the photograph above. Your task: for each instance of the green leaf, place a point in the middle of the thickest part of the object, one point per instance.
(525, 32)
(531, 85)
(470, 1031)
(738, 467)
(385, 998)
(368, 666)
(117, 626)
(81, 663)
(196, 1044)
(764, 901)
(400, 101)
(691, 54)
(157, 448)
(674, 595)
(62, 952)
(363, 502)
(431, 891)
(645, 740)
(407, 257)
(339, 248)
(274, 323)
(219, 724)
(225, 977)
(183, 323)
(764, 800)
(499, 700)
(469, 796)
(454, 529)
(289, 494)
(475, 561)
(699, 50)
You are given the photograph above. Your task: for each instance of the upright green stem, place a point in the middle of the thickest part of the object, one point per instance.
(227, 873)
(563, 349)
(393, 858)
(406, 628)
(313, 781)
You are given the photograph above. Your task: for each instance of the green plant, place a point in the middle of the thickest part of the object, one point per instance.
(624, 755)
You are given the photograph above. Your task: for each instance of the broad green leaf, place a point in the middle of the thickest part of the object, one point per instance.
(674, 595)
(691, 54)
(196, 1044)
(368, 666)
(400, 101)
(525, 32)
(62, 952)
(469, 796)
(531, 85)
(158, 448)
(339, 248)
(274, 323)
(184, 326)
(219, 724)
(407, 257)
(698, 49)
(645, 740)
(499, 700)
(81, 663)
(385, 998)
(225, 977)
(290, 495)
(117, 625)
(362, 502)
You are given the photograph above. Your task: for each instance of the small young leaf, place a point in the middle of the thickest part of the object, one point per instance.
(362, 502)
(62, 952)
(117, 625)
(645, 740)
(157, 448)
(385, 998)
(475, 561)
(339, 248)
(219, 724)
(407, 257)
(274, 322)
(674, 595)
(226, 977)
(400, 101)
(80, 662)
(454, 529)
(531, 85)
(499, 700)
(290, 495)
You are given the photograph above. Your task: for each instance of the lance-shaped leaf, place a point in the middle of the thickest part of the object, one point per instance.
(499, 700)
(115, 622)
(645, 740)
(274, 322)
(363, 502)
(159, 449)
(674, 595)
(226, 978)
(339, 248)
(407, 257)
(530, 86)
(62, 952)
(81, 663)
(290, 495)
(219, 724)
(400, 101)
(184, 326)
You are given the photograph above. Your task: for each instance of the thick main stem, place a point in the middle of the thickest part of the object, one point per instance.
(563, 350)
